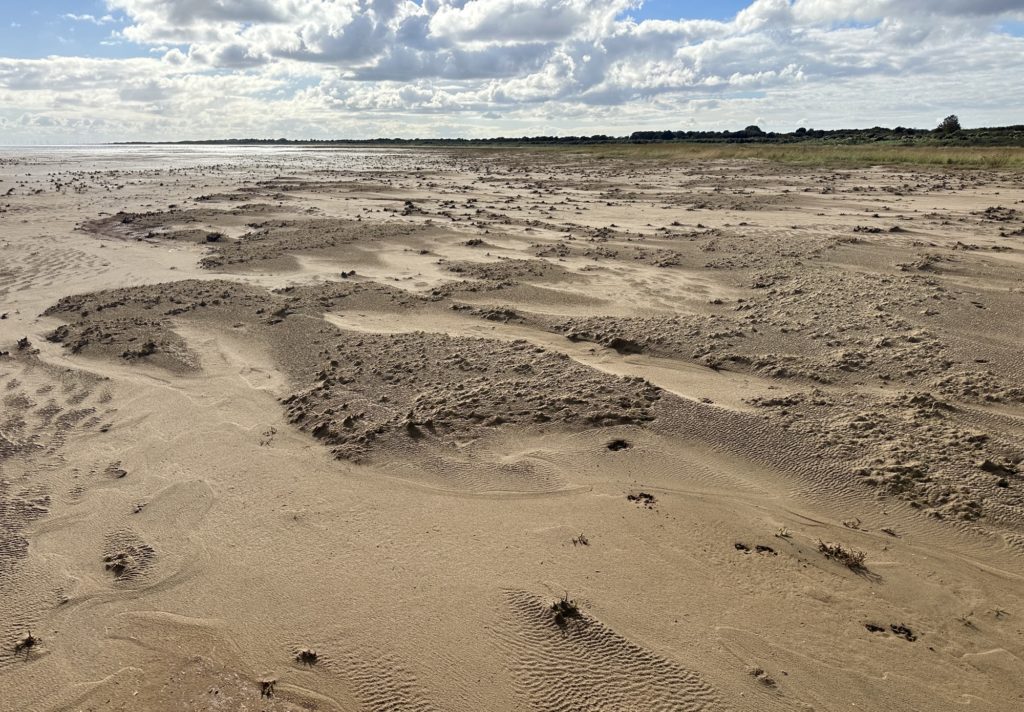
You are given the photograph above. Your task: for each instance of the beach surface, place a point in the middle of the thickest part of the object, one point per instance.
(442, 430)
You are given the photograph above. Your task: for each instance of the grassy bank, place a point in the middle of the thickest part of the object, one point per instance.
(811, 154)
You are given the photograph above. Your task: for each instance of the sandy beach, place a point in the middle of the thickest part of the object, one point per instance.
(455, 431)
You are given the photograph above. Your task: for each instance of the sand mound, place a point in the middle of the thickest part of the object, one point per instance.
(272, 240)
(360, 391)
(909, 445)
(350, 295)
(136, 324)
(510, 271)
(376, 388)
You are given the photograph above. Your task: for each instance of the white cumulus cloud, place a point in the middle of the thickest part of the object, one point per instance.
(322, 68)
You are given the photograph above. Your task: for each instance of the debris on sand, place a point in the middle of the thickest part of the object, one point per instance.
(267, 687)
(850, 558)
(646, 499)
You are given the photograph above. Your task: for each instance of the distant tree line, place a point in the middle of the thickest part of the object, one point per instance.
(949, 132)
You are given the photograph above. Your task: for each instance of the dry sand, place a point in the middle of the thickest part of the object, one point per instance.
(338, 430)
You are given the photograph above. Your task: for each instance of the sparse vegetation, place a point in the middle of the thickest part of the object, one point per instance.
(26, 643)
(948, 132)
(850, 558)
(565, 609)
(267, 687)
(816, 154)
(306, 656)
(967, 620)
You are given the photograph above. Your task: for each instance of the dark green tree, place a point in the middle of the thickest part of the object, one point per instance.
(950, 124)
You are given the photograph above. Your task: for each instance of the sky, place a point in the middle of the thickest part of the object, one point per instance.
(111, 70)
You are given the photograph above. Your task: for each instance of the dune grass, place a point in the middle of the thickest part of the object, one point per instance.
(809, 154)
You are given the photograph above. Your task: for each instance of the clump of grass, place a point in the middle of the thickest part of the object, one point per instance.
(307, 657)
(850, 558)
(26, 643)
(967, 620)
(565, 609)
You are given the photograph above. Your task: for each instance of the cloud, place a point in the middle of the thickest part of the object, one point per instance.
(524, 20)
(352, 67)
(868, 10)
(105, 20)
